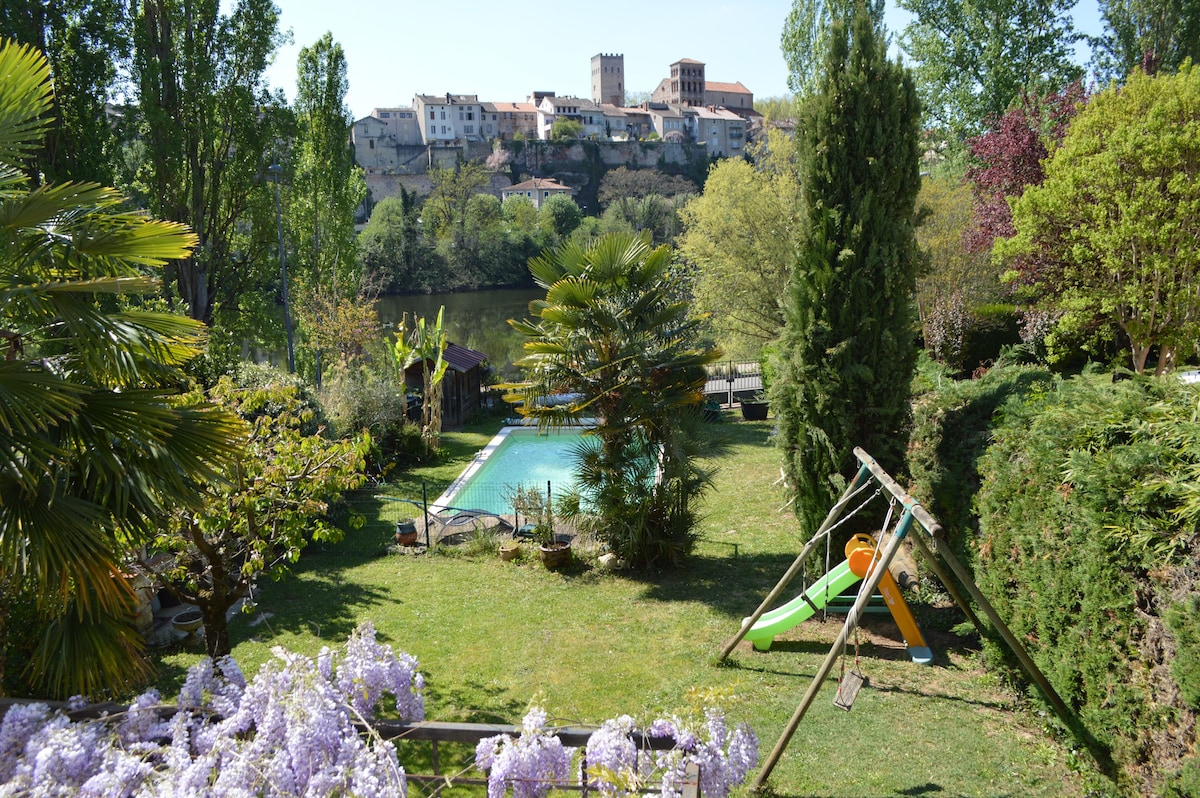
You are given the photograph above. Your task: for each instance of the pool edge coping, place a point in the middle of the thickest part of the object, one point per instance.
(442, 502)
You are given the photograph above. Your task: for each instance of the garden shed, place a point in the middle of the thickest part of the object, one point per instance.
(462, 387)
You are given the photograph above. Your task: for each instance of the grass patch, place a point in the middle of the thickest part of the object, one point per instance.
(493, 636)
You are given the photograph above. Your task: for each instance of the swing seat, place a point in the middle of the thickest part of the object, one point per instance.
(847, 691)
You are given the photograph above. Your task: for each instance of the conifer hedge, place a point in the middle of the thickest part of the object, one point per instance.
(1088, 517)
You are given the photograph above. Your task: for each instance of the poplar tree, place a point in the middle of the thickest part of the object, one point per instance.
(847, 353)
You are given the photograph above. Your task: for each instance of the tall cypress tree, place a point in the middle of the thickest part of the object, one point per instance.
(847, 353)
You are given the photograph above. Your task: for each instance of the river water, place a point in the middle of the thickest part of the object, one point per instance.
(474, 319)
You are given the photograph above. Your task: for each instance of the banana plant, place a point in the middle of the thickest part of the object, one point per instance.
(425, 344)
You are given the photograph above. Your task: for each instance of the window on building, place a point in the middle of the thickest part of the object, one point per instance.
(372, 143)
(443, 130)
(384, 115)
(431, 116)
(470, 114)
(468, 129)
(443, 114)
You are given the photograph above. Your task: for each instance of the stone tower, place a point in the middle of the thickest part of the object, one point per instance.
(608, 79)
(687, 82)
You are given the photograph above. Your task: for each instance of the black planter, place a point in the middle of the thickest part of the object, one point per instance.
(754, 411)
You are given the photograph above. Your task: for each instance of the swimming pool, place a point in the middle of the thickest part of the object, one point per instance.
(516, 456)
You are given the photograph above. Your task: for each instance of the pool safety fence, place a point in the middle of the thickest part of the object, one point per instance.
(477, 505)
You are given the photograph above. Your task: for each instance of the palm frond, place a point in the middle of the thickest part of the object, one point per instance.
(25, 103)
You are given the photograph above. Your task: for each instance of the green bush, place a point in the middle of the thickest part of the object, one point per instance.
(992, 328)
(1183, 619)
(952, 427)
(1087, 520)
(362, 399)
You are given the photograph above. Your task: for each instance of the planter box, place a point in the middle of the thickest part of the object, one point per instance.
(755, 411)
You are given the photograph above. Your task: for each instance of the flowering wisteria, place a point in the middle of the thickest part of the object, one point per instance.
(724, 758)
(535, 761)
(289, 732)
(531, 764)
(295, 729)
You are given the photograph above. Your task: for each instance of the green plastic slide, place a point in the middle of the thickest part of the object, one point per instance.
(799, 610)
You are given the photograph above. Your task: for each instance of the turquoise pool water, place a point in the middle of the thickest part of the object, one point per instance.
(516, 456)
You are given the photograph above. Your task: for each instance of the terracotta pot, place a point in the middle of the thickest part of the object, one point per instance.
(510, 551)
(555, 555)
(406, 533)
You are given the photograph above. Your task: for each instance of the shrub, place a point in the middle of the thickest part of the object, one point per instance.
(952, 427)
(1088, 521)
(359, 399)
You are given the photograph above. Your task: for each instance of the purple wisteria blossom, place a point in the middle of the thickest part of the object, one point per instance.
(292, 731)
(530, 764)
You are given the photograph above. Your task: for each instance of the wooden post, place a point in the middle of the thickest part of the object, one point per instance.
(950, 585)
(835, 513)
(860, 603)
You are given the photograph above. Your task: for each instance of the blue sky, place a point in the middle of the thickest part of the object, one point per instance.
(504, 51)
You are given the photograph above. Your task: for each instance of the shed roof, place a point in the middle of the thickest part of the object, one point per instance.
(462, 359)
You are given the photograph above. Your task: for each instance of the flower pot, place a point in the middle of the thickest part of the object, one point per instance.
(189, 622)
(406, 533)
(510, 550)
(555, 556)
(754, 411)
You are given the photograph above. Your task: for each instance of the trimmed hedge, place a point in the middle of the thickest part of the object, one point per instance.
(1088, 517)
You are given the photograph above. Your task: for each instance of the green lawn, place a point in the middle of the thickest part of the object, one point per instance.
(491, 637)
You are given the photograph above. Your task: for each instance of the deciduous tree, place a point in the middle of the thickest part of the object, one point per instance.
(209, 127)
(623, 183)
(393, 254)
(86, 42)
(258, 516)
(1008, 158)
(1152, 34)
(559, 216)
(847, 353)
(328, 188)
(739, 235)
(955, 279)
(1117, 217)
(972, 60)
(805, 38)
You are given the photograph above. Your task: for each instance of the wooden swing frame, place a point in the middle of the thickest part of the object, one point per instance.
(936, 545)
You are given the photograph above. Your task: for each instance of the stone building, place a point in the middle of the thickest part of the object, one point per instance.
(387, 140)
(608, 79)
(448, 118)
(505, 120)
(537, 190)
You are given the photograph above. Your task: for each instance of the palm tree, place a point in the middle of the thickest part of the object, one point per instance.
(616, 332)
(98, 443)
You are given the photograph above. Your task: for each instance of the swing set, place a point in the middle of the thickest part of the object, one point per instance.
(869, 562)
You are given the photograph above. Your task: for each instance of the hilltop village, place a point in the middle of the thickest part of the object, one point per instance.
(693, 119)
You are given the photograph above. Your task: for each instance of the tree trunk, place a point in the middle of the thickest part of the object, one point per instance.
(1166, 360)
(216, 629)
(1140, 353)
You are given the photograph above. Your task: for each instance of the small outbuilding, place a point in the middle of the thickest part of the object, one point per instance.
(462, 386)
